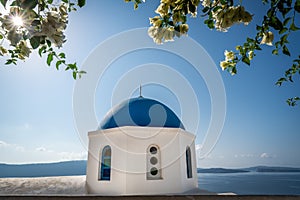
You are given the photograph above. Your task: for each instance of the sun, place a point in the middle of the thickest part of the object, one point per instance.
(17, 20)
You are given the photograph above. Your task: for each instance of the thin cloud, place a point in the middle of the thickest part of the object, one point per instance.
(266, 155)
(72, 155)
(198, 147)
(3, 144)
(40, 149)
(245, 155)
(14, 146)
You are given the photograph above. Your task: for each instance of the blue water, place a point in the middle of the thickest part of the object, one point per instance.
(252, 183)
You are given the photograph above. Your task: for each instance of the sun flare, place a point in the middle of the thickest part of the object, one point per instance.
(18, 21)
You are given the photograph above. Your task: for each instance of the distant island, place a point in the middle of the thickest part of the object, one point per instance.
(76, 168)
(68, 168)
(272, 169)
(220, 170)
(250, 169)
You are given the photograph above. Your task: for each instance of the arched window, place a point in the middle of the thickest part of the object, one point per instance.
(105, 164)
(188, 157)
(153, 163)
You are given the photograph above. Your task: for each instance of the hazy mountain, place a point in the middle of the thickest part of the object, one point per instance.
(68, 168)
(249, 169)
(71, 168)
(220, 170)
(272, 169)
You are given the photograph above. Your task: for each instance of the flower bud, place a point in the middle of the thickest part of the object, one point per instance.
(267, 38)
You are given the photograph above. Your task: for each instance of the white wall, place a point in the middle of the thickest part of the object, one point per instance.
(129, 146)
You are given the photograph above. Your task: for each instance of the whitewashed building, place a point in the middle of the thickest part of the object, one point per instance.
(141, 148)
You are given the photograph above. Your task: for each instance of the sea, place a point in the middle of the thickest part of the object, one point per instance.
(251, 183)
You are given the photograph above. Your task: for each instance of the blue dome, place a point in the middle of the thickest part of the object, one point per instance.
(140, 112)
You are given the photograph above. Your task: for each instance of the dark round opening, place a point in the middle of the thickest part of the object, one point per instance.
(154, 171)
(153, 150)
(153, 160)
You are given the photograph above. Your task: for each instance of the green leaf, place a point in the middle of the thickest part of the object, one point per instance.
(270, 13)
(246, 60)
(8, 62)
(48, 43)
(210, 23)
(258, 28)
(283, 30)
(62, 55)
(223, 2)
(49, 58)
(283, 39)
(74, 75)
(297, 6)
(58, 63)
(42, 50)
(286, 21)
(72, 66)
(276, 23)
(286, 51)
(257, 47)
(3, 2)
(285, 11)
(29, 4)
(205, 9)
(35, 42)
(80, 73)
(217, 8)
(280, 81)
(81, 3)
(192, 8)
(233, 71)
(292, 101)
(250, 40)
(293, 27)
(275, 52)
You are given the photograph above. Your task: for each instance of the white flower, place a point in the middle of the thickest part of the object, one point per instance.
(267, 38)
(206, 3)
(157, 34)
(14, 37)
(53, 26)
(163, 9)
(166, 1)
(169, 34)
(161, 34)
(224, 64)
(58, 39)
(156, 21)
(3, 51)
(225, 18)
(229, 55)
(183, 28)
(24, 50)
(250, 55)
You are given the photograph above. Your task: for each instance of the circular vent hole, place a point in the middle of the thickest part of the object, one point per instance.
(153, 150)
(154, 171)
(153, 161)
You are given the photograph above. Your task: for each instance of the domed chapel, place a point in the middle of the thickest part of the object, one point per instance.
(141, 148)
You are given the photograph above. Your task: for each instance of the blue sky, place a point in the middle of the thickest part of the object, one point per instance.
(36, 121)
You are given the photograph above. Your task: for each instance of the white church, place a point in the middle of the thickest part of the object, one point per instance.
(141, 148)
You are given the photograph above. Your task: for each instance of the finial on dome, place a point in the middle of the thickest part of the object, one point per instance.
(140, 90)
